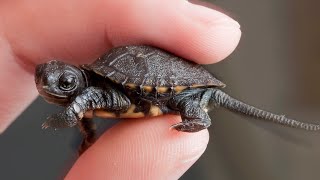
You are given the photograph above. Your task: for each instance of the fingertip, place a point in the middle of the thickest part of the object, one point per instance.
(192, 31)
(195, 145)
(206, 35)
(141, 149)
(210, 45)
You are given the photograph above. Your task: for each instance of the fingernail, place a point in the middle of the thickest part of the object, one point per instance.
(192, 158)
(191, 153)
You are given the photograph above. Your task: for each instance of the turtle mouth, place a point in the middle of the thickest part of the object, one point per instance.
(60, 102)
(54, 98)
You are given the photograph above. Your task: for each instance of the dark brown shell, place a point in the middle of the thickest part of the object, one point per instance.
(148, 66)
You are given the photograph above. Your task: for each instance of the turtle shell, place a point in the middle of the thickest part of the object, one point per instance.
(150, 67)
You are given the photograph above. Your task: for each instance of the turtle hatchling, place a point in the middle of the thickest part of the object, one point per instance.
(138, 81)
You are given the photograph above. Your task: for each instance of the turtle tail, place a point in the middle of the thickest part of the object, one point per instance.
(230, 103)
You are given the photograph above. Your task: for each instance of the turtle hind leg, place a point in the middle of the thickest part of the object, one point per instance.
(88, 130)
(193, 114)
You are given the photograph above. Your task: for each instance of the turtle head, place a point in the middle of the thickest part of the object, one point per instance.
(58, 82)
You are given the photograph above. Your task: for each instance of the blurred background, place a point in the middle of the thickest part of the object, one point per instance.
(275, 67)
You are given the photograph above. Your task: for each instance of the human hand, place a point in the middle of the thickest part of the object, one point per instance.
(34, 31)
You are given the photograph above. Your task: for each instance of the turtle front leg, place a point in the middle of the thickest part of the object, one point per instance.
(90, 99)
(192, 106)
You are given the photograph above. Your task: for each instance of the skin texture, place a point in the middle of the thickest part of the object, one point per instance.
(78, 31)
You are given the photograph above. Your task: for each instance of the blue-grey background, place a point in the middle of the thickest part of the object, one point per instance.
(276, 67)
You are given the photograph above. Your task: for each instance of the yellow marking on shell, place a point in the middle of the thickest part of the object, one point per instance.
(162, 89)
(88, 114)
(104, 114)
(131, 114)
(220, 84)
(197, 85)
(178, 89)
(155, 111)
(131, 85)
(223, 85)
(147, 88)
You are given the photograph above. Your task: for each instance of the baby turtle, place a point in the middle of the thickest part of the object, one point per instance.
(135, 82)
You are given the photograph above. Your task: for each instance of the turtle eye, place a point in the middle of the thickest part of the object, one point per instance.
(67, 82)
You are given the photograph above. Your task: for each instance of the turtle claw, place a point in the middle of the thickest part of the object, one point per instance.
(45, 125)
(50, 122)
(189, 126)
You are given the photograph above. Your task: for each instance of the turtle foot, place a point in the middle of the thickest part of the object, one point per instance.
(60, 120)
(190, 126)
